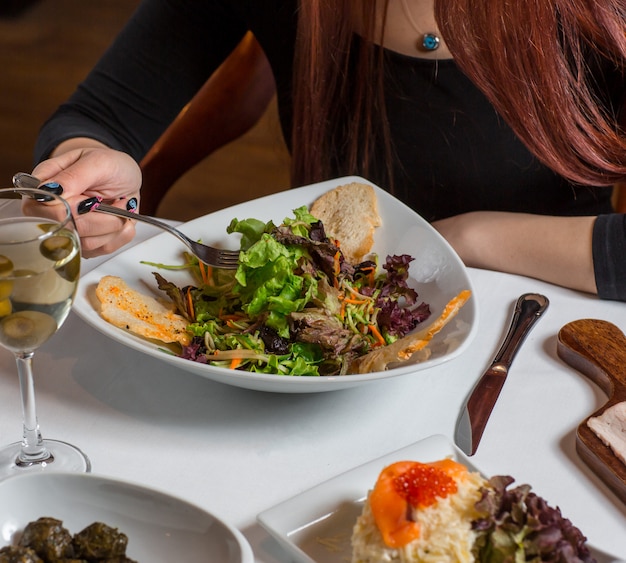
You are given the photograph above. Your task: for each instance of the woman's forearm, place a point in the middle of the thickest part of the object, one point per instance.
(554, 249)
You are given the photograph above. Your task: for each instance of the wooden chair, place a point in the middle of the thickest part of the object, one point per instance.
(619, 198)
(232, 101)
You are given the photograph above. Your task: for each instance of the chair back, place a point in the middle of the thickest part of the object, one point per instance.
(231, 102)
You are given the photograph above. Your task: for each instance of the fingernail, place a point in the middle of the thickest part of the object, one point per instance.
(42, 198)
(131, 205)
(87, 205)
(52, 187)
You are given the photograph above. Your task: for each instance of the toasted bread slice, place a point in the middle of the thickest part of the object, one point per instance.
(141, 314)
(350, 215)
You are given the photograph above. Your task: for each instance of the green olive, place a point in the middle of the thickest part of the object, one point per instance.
(6, 307)
(6, 288)
(56, 248)
(6, 265)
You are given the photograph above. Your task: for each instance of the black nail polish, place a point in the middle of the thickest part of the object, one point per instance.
(132, 205)
(42, 198)
(52, 187)
(87, 205)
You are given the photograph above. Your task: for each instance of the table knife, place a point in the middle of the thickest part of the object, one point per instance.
(474, 417)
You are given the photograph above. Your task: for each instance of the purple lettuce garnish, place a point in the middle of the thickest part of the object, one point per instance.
(396, 300)
(520, 526)
(195, 351)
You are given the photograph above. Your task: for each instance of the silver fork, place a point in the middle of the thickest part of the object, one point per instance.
(216, 257)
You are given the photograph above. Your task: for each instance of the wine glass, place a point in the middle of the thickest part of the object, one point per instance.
(39, 270)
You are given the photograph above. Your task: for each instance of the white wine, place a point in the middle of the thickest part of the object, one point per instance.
(39, 269)
(38, 280)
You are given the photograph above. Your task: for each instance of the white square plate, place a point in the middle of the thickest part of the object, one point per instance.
(437, 274)
(317, 525)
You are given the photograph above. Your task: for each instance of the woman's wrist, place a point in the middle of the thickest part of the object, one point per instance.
(76, 143)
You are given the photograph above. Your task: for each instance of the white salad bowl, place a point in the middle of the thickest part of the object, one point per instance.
(437, 274)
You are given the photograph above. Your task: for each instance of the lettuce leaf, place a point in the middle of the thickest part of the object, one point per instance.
(521, 527)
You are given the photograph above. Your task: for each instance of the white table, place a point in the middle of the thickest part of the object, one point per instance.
(236, 452)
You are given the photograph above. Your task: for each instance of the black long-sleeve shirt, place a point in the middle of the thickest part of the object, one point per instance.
(454, 152)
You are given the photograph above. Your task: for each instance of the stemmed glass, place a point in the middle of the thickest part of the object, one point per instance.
(39, 270)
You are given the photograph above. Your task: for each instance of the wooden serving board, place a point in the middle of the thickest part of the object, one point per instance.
(598, 350)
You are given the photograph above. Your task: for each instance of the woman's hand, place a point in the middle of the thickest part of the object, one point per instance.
(84, 169)
(554, 249)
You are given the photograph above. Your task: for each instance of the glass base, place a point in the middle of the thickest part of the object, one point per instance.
(65, 458)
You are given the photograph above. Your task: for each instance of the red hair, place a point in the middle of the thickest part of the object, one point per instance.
(529, 57)
(331, 115)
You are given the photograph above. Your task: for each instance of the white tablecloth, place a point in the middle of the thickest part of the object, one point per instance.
(236, 452)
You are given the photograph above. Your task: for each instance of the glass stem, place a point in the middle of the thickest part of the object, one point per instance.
(33, 451)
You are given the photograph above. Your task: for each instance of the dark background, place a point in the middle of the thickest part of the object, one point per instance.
(46, 49)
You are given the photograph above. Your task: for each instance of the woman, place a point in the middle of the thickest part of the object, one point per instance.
(511, 158)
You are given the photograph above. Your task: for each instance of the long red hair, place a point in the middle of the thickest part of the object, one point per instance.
(330, 113)
(529, 57)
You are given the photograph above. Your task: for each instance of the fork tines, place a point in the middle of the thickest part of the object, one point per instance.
(228, 258)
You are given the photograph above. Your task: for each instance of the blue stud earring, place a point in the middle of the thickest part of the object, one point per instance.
(430, 42)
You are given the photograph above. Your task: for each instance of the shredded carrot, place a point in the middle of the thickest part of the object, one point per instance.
(379, 337)
(206, 272)
(342, 312)
(234, 364)
(232, 317)
(356, 301)
(336, 268)
(371, 275)
(192, 312)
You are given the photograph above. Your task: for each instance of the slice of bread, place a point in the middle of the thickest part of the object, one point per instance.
(350, 215)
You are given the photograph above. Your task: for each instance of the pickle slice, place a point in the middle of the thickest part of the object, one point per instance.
(19, 327)
(26, 330)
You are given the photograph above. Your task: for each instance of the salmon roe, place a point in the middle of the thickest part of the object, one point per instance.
(421, 485)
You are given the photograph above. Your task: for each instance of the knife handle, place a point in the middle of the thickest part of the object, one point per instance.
(528, 309)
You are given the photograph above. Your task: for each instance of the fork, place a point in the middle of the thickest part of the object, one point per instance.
(216, 257)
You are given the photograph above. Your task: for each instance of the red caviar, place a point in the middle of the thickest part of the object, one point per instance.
(407, 484)
(421, 485)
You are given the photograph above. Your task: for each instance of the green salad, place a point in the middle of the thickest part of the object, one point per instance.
(294, 306)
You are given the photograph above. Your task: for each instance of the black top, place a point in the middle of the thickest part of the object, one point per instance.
(454, 152)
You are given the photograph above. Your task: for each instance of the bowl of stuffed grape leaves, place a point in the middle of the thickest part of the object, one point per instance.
(82, 517)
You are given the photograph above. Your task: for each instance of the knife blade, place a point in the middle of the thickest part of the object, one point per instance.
(474, 416)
